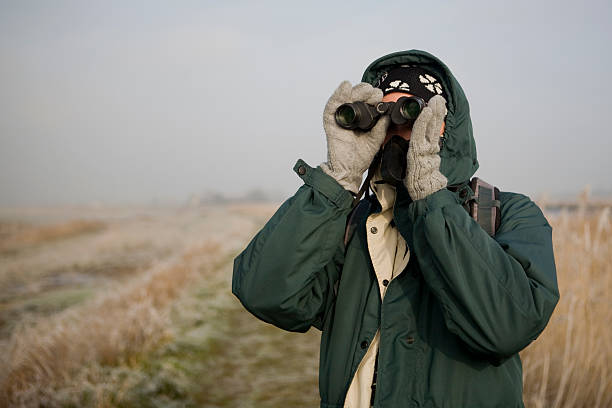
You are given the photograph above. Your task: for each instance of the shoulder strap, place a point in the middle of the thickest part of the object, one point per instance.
(357, 213)
(484, 205)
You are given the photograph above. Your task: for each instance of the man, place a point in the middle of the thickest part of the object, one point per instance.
(422, 307)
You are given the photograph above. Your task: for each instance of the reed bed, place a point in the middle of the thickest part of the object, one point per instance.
(569, 364)
(110, 330)
(120, 344)
(17, 236)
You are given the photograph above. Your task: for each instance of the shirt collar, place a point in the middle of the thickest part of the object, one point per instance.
(385, 192)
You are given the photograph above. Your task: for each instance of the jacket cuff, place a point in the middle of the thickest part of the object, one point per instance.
(439, 199)
(325, 184)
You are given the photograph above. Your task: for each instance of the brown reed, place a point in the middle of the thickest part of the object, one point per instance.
(110, 330)
(569, 364)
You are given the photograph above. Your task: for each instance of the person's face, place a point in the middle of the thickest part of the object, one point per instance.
(401, 130)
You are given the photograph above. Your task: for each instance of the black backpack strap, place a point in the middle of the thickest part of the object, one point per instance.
(357, 213)
(484, 205)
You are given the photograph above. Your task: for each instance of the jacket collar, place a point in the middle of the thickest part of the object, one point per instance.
(385, 193)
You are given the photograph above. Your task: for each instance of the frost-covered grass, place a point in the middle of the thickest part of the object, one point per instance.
(140, 313)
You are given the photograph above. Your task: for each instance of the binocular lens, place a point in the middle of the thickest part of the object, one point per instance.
(345, 115)
(410, 109)
(363, 116)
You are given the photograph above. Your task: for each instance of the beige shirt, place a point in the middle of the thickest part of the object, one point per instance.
(390, 255)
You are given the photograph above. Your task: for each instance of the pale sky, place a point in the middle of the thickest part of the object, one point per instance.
(141, 101)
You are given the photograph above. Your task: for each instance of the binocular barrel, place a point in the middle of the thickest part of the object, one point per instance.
(363, 116)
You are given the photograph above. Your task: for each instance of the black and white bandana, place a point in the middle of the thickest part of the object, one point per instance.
(410, 79)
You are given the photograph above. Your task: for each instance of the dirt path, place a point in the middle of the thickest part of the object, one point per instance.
(170, 333)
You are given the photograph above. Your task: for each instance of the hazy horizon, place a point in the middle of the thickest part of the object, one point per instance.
(140, 102)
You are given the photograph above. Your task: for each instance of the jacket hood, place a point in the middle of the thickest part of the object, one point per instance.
(458, 153)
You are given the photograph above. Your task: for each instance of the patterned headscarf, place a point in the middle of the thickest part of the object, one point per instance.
(410, 79)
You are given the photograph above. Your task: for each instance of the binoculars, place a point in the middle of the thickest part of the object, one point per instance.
(363, 116)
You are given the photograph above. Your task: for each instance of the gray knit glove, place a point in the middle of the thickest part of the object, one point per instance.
(350, 152)
(423, 175)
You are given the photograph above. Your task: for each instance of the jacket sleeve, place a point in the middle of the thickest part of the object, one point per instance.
(286, 274)
(497, 294)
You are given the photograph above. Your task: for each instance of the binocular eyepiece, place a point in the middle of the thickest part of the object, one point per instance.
(363, 116)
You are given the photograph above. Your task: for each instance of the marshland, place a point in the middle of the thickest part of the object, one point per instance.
(132, 307)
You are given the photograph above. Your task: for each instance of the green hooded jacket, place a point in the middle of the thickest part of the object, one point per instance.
(452, 323)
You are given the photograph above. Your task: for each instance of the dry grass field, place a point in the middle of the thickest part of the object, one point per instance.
(570, 364)
(132, 307)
